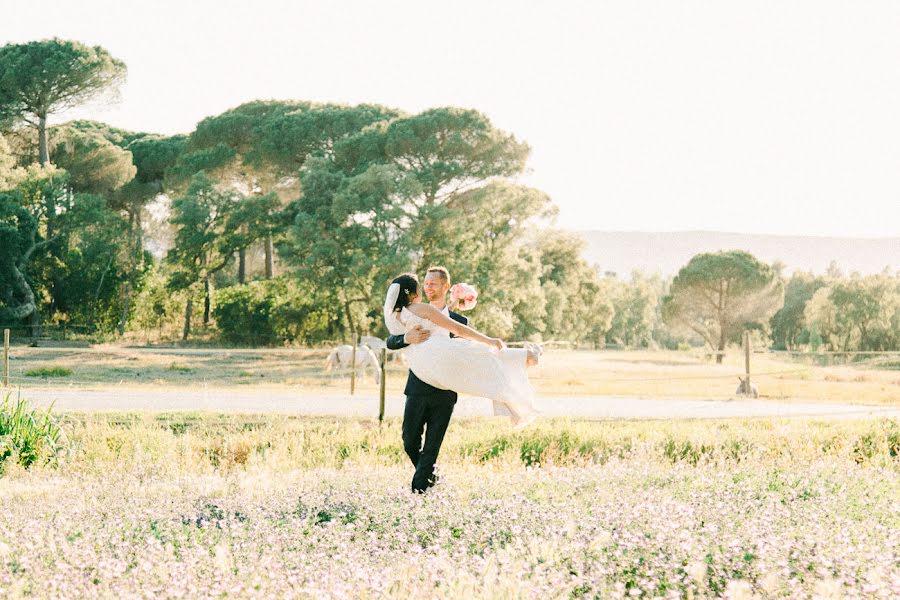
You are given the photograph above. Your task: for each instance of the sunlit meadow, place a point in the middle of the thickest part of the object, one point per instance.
(242, 506)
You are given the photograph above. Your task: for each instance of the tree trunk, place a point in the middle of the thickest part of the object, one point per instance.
(349, 316)
(187, 318)
(29, 306)
(44, 159)
(35, 325)
(43, 145)
(138, 228)
(722, 322)
(206, 301)
(97, 294)
(721, 349)
(270, 258)
(723, 328)
(126, 304)
(242, 266)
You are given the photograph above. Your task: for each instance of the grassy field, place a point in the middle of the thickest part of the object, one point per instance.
(192, 505)
(562, 372)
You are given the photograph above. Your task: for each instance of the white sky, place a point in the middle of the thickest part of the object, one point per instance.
(754, 116)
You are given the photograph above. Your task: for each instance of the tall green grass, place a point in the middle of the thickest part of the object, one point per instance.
(56, 371)
(27, 435)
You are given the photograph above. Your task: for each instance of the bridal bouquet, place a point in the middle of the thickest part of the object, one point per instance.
(464, 296)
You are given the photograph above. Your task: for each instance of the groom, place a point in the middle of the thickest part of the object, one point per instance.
(426, 405)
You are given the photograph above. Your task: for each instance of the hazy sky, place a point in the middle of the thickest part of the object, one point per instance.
(754, 116)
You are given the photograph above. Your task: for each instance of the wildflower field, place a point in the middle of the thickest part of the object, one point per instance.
(208, 506)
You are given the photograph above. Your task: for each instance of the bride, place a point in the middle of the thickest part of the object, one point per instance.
(471, 363)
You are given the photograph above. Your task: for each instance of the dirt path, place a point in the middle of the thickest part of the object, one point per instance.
(306, 403)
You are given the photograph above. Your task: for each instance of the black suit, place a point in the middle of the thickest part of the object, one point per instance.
(425, 405)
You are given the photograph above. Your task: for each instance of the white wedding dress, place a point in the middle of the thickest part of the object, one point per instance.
(468, 367)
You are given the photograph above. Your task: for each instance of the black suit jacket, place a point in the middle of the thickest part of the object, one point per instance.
(414, 385)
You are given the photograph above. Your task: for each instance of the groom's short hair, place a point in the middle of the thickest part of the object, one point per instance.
(442, 271)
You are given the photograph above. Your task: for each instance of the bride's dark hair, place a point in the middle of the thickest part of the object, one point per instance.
(409, 284)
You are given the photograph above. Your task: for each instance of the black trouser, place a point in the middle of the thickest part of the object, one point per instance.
(434, 413)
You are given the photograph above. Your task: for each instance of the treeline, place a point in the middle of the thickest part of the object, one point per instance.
(839, 313)
(282, 222)
(338, 199)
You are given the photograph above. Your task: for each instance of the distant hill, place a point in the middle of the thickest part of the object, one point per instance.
(665, 253)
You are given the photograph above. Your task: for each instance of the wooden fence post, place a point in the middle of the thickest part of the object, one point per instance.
(382, 362)
(353, 365)
(747, 358)
(6, 358)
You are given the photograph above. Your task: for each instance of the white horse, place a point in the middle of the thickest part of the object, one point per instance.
(376, 344)
(342, 358)
(372, 342)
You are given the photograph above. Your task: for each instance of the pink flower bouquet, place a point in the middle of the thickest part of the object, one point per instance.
(464, 296)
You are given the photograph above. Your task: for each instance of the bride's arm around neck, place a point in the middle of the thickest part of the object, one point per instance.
(426, 311)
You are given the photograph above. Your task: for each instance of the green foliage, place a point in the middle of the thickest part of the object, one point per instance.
(789, 328)
(394, 193)
(255, 150)
(10, 172)
(634, 311)
(343, 235)
(859, 313)
(68, 257)
(156, 307)
(38, 79)
(273, 312)
(56, 371)
(579, 306)
(93, 265)
(716, 295)
(27, 436)
(154, 154)
(214, 158)
(288, 137)
(95, 165)
(18, 241)
(199, 216)
(488, 236)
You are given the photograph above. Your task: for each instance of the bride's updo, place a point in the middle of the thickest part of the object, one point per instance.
(409, 285)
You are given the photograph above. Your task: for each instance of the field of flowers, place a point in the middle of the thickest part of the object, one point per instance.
(240, 506)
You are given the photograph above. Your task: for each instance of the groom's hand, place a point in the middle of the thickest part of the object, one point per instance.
(416, 335)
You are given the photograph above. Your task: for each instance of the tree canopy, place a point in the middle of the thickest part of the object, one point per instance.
(716, 295)
(38, 79)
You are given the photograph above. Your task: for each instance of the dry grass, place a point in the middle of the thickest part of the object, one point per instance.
(687, 375)
(562, 373)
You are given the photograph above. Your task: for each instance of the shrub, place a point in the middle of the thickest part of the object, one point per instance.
(49, 372)
(27, 435)
(273, 312)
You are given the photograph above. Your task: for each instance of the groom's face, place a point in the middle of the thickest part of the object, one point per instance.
(435, 287)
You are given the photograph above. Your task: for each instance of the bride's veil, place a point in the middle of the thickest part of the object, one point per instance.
(390, 317)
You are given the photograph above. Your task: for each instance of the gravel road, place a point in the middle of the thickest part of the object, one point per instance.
(286, 401)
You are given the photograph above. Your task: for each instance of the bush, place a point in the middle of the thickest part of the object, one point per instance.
(156, 307)
(274, 312)
(49, 372)
(27, 435)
